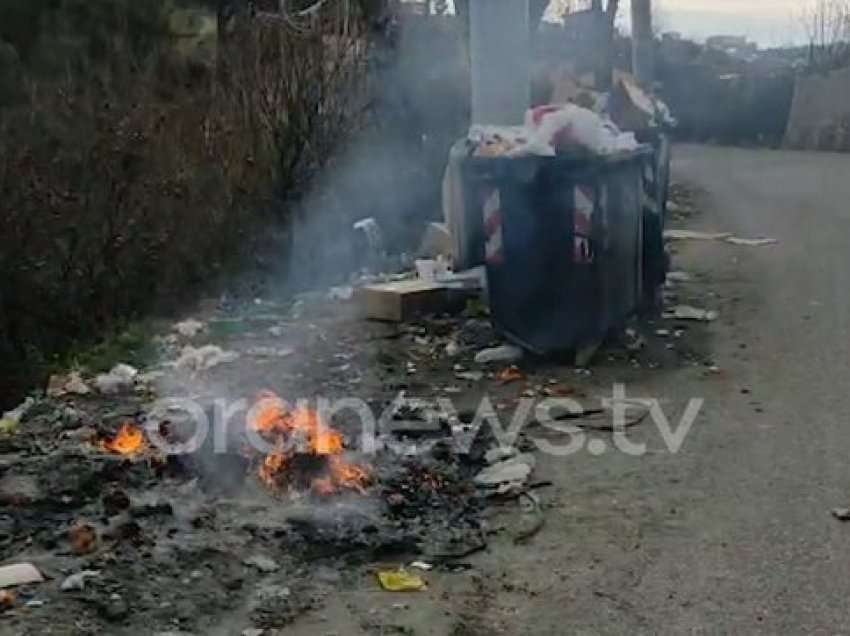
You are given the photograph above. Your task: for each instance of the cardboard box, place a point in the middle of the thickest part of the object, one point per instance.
(403, 300)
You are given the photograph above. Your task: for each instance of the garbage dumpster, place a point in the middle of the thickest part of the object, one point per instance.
(656, 181)
(563, 244)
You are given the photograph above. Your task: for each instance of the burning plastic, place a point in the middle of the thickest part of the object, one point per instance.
(128, 441)
(306, 452)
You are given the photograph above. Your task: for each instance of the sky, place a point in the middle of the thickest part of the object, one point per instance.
(768, 22)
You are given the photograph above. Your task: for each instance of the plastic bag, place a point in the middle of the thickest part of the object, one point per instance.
(561, 127)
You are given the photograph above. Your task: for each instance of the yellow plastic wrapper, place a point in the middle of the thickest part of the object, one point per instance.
(401, 581)
(8, 427)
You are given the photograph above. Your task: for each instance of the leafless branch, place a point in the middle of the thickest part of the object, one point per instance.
(827, 27)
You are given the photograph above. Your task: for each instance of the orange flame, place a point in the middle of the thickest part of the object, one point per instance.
(302, 429)
(128, 441)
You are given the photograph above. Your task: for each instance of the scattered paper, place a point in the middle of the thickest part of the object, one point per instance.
(759, 242)
(121, 378)
(203, 358)
(505, 353)
(189, 328)
(510, 471)
(686, 312)
(685, 235)
(78, 581)
(692, 235)
(59, 385)
(678, 277)
(19, 574)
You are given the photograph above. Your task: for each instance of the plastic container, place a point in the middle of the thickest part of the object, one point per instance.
(563, 244)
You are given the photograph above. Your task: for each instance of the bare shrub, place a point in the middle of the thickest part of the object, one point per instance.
(122, 190)
(827, 28)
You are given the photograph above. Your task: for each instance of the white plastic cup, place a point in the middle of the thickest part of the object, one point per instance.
(426, 269)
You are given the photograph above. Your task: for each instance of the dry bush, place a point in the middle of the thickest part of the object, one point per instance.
(123, 191)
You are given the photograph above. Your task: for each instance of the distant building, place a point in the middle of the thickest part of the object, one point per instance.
(735, 45)
(671, 36)
(724, 42)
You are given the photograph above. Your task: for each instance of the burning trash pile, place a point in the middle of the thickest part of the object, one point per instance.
(307, 453)
(111, 521)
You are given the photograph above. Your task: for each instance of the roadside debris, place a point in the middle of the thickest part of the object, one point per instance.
(422, 565)
(401, 581)
(401, 301)
(262, 563)
(692, 235)
(842, 514)
(686, 312)
(189, 328)
(633, 341)
(470, 376)
(19, 574)
(343, 293)
(679, 277)
(436, 241)
(602, 419)
(7, 600)
(83, 538)
(372, 233)
(77, 582)
(431, 269)
(196, 360)
(70, 384)
(509, 472)
(759, 242)
(678, 210)
(500, 453)
(510, 374)
(538, 519)
(504, 353)
(120, 379)
(10, 420)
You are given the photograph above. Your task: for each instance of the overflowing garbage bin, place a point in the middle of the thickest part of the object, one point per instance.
(563, 241)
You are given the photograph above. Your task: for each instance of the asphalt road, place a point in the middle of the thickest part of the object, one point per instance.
(761, 553)
(751, 547)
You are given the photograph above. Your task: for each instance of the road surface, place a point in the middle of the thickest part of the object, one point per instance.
(733, 534)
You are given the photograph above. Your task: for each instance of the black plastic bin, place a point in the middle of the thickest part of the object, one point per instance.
(656, 188)
(563, 243)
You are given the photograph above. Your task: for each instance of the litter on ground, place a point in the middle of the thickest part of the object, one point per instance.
(401, 581)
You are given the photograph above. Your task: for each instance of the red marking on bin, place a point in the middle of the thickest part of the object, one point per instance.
(584, 206)
(493, 233)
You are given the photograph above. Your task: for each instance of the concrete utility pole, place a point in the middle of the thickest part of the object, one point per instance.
(499, 52)
(643, 43)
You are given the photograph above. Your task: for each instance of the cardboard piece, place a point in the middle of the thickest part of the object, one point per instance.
(403, 300)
